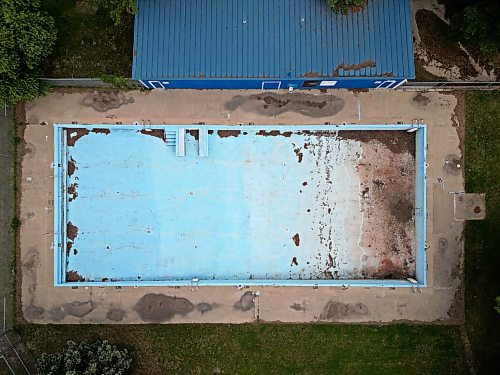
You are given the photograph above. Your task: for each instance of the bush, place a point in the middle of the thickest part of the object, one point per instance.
(343, 6)
(26, 37)
(116, 8)
(89, 359)
(476, 24)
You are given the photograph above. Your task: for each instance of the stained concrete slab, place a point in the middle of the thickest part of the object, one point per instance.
(43, 303)
(469, 206)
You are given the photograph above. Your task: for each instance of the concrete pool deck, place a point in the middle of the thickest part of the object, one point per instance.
(44, 303)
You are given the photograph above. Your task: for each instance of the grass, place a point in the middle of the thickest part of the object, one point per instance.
(270, 348)
(88, 43)
(482, 239)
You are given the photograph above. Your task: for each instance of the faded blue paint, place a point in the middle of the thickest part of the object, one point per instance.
(241, 43)
(204, 199)
(421, 204)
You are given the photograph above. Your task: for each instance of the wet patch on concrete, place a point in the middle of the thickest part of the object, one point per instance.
(228, 133)
(31, 260)
(160, 308)
(442, 244)
(29, 150)
(57, 314)
(420, 101)
(104, 101)
(452, 165)
(298, 307)
(75, 308)
(116, 315)
(204, 307)
(33, 312)
(158, 133)
(246, 302)
(73, 135)
(272, 104)
(339, 310)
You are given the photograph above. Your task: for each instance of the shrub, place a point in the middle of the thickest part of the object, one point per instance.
(99, 358)
(26, 38)
(343, 6)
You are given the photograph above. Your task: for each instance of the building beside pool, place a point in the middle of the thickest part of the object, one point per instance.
(271, 44)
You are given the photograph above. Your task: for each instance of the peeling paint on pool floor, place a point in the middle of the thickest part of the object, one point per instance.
(232, 205)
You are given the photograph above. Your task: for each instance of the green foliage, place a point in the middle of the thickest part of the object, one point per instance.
(116, 8)
(497, 306)
(343, 6)
(476, 23)
(116, 81)
(26, 38)
(482, 258)
(97, 358)
(15, 223)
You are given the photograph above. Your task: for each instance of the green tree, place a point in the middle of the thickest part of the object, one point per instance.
(26, 37)
(116, 8)
(343, 6)
(98, 358)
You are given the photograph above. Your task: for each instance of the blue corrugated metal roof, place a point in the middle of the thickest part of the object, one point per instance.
(271, 39)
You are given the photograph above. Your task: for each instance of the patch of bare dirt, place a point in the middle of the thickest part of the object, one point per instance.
(395, 141)
(387, 193)
(441, 45)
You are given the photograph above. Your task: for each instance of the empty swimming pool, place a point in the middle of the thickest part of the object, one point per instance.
(239, 205)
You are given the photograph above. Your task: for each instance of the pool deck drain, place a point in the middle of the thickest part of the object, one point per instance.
(41, 302)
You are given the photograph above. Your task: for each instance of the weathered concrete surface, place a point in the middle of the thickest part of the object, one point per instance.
(43, 303)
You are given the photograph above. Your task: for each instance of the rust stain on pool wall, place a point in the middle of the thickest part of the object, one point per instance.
(158, 133)
(73, 135)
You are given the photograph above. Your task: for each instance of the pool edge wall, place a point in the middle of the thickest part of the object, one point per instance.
(59, 245)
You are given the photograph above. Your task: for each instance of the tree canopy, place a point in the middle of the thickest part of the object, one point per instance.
(343, 6)
(26, 37)
(116, 8)
(98, 358)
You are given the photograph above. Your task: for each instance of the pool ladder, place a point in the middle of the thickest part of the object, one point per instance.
(180, 141)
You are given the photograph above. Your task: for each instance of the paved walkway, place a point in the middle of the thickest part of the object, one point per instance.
(6, 213)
